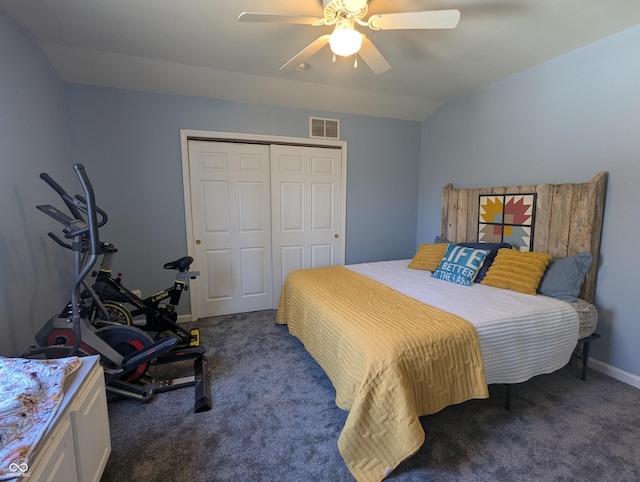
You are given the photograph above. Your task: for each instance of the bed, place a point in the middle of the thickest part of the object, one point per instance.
(406, 338)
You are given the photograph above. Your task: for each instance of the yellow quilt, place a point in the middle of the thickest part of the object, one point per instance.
(390, 358)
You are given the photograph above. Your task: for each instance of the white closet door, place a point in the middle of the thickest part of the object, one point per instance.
(231, 209)
(306, 190)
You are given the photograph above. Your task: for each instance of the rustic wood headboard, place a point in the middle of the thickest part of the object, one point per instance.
(568, 219)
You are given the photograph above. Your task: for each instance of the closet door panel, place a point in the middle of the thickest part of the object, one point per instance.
(306, 212)
(231, 210)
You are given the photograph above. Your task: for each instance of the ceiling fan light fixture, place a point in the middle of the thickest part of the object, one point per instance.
(345, 40)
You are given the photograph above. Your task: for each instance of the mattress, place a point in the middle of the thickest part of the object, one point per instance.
(520, 335)
(588, 317)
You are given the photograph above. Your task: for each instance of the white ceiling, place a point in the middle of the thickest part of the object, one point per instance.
(198, 47)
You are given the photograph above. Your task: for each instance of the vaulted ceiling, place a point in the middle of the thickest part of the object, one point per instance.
(199, 48)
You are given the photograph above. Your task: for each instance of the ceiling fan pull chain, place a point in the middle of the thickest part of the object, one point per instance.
(334, 58)
(355, 61)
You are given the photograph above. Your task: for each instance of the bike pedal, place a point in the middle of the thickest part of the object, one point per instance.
(195, 332)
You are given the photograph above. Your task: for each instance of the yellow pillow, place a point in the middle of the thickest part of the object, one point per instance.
(516, 270)
(429, 256)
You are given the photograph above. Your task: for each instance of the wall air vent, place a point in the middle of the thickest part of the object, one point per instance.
(324, 128)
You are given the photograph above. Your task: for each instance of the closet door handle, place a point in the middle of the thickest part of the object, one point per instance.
(198, 241)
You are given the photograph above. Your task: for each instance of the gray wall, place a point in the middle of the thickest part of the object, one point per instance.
(563, 121)
(34, 275)
(130, 143)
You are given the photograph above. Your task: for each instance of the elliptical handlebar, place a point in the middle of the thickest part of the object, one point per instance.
(59, 241)
(92, 217)
(103, 216)
(68, 200)
(80, 205)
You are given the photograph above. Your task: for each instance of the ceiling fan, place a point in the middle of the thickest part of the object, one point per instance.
(345, 39)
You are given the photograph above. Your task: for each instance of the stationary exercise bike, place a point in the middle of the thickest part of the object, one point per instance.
(159, 317)
(107, 301)
(125, 352)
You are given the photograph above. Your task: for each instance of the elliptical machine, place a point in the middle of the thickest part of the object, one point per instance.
(125, 352)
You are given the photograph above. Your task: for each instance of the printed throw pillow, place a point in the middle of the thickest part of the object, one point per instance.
(428, 257)
(493, 251)
(460, 265)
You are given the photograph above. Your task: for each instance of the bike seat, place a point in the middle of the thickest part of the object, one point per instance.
(181, 264)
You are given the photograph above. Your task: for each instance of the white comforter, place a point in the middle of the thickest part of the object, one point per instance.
(520, 335)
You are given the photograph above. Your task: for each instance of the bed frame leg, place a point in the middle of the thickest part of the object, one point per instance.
(585, 352)
(507, 403)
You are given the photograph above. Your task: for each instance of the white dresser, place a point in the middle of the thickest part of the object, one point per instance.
(77, 445)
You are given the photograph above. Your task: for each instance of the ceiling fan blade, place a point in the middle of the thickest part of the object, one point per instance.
(372, 57)
(306, 53)
(415, 20)
(279, 18)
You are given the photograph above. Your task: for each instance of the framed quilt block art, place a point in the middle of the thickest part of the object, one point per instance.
(507, 218)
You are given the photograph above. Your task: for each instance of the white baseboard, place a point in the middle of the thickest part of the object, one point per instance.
(613, 372)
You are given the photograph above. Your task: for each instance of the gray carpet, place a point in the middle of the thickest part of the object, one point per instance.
(274, 419)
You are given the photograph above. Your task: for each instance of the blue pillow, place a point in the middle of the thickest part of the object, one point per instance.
(440, 239)
(460, 264)
(564, 277)
(493, 251)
